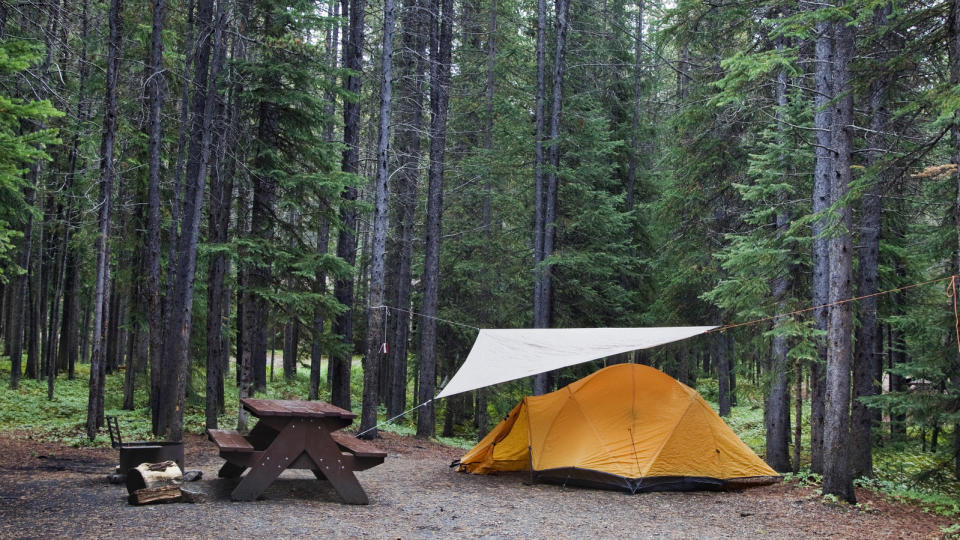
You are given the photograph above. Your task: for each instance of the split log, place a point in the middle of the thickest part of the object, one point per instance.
(162, 494)
(154, 475)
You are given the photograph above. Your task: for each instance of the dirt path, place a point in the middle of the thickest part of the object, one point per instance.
(54, 491)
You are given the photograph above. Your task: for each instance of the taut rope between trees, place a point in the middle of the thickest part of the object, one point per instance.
(952, 292)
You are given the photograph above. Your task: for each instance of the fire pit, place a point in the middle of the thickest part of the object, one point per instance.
(133, 453)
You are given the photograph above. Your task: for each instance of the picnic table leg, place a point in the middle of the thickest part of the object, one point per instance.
(336, 468)
(281, 454)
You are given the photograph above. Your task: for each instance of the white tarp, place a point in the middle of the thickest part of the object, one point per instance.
(504, 355)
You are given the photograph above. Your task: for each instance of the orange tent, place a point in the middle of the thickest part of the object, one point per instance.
(627, 426)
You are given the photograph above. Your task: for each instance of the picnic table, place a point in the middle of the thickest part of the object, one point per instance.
(295, 435)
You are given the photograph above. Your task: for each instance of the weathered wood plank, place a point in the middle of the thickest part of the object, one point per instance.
(229, 440)
(295, 408)
(357, 447)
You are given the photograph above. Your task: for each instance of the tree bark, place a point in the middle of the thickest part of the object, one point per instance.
(323, 233)
(33, 284)
(112, 347)
(485, 212)
(798, 414)
(95, 395)
(316, 350)
(837, 479)
(539, 320)
(176, 356)
(19, 298)
(376, 333)
(218, 222)
(411, 74)
(156, 85)
(440, 53)
(60, 279)
(347, 242)
(822, 121)
(176, 202)
(777, 417)
(556, 109)
(953, 49)
(635, 125)
(545, 283)
(731, 356)
(718, 344)
(867, 366)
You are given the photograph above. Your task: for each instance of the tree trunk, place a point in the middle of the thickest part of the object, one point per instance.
(68, 326)
(218, 223)
(112, 347)
(33, 284)
(84, 336)
(822, 122)
(411, 67)
(953, 50)
(18, 302)
(376, 333)
(156, 84)
(60, 280)
(440, 48)
(778, 404)
(550, 189)
(778, 401)
(731, 356)
(539, 312)
(291, 344)
(176, 357)
(38, 352)
(480, 415)
(550, 207)
(261, 227)
(837, 479)
(798, 414)
(133, 368)
(95, 395)
(488, 117)
(718, 344)
(867, 366)
(339, 366)
(316, 350)
(176, 202)
(136, 320)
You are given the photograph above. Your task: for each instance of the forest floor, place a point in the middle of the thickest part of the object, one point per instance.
(52, 490)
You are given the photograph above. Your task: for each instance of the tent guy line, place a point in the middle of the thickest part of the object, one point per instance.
(411, 312)
(390, 420)
(494, 348)
(951, 292)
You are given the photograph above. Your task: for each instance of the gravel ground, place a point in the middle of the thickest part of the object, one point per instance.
(54, 491)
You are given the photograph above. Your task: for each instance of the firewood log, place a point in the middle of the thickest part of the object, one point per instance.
(154, 475)
(161, 494)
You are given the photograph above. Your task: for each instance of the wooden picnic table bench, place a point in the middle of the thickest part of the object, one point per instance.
(295, 435)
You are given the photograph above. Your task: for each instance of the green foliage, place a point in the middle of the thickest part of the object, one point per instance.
(906, 473)
(803, 478)
(23, 141)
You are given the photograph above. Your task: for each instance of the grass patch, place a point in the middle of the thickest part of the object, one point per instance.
(902, 471)
(63, 419)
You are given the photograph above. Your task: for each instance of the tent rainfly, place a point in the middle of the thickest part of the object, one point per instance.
(628, 427)
(504, 355)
